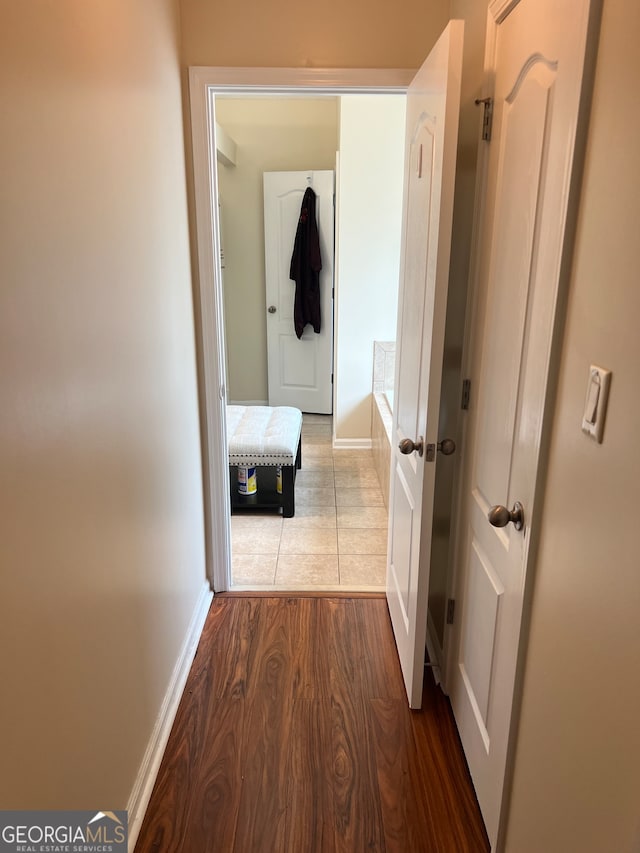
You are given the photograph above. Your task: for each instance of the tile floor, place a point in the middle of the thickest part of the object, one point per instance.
(338, 536)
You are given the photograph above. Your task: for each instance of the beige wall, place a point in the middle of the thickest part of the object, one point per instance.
(272, 135)
(577, 771)
(330, 34)
(101, 498)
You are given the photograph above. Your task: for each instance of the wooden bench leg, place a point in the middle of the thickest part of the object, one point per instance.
(288, 491)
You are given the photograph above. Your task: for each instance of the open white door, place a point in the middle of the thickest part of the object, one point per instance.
(433, 105)
(299, 371)
(535, 58)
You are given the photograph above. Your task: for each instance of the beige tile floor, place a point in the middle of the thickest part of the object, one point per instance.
(338, 536)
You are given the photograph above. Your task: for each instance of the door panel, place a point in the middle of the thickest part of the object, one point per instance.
(418, 230)
(403, 513)
(298, 367)
(537, 73)
(299, 370)
(519, 176)
(485, 593)
(433, 103)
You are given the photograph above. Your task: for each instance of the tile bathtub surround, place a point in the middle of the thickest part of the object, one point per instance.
(381, 431)
(384, 366)
(337, 538)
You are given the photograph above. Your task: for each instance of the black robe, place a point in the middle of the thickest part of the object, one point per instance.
(305, 267)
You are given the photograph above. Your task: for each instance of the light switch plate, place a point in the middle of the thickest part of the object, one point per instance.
(595, 404)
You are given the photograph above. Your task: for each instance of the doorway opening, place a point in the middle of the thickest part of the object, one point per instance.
(337, 471)
(282, 146)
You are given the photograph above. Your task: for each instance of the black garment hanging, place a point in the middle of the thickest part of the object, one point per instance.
(305, 267)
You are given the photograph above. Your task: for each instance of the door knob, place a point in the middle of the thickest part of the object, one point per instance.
(271, 309)
(407, 446)
(447, 446)
(500, 516)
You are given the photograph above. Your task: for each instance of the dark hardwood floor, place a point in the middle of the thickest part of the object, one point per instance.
(294, 736)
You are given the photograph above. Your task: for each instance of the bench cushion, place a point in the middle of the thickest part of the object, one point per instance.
(263, 435)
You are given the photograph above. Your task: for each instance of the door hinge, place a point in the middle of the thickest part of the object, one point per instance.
(487, 117)
(332, 378)
(466, 394)
(451, 609)
(333, 293)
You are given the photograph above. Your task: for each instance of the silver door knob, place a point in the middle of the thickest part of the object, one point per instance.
(407, 446)
(271, 309)
(447, 446)
(500, 516)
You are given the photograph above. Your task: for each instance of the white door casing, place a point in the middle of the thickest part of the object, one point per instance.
(535, 58)
(299, 370)
(433, 105)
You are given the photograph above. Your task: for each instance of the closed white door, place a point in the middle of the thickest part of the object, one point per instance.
(299, 370)
(535, 59)
(433, 104)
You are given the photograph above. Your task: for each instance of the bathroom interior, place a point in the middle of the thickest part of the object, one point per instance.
(337, 538)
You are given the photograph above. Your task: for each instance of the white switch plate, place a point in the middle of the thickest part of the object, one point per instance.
(595, 404)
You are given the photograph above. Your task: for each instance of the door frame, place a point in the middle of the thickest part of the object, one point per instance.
(205, 83)
(473, 327)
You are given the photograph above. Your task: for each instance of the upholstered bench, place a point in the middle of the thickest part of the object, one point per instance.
(266, 438)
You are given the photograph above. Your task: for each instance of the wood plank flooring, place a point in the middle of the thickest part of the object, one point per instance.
(294, 736)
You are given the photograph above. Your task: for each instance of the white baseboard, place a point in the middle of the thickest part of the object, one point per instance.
(145, 780)
(248, 402)
(352, 444)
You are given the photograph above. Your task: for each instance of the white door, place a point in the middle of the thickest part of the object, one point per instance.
(536, 63)
(433, 104)
(299, 370)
